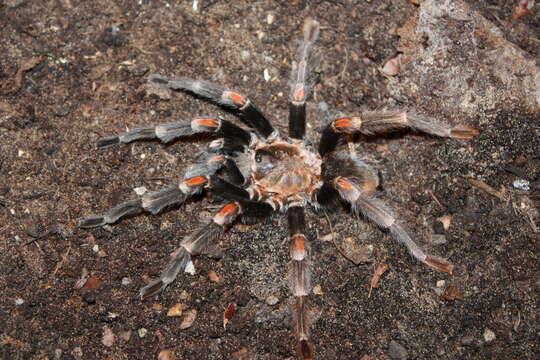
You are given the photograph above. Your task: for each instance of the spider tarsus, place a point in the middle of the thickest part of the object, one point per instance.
(168, 274)
(158, 79)
(311, 30)
(108, 141)
(130, 207)
(91, 222)
(153, 288)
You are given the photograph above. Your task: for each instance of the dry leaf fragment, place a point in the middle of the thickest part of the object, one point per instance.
(452, 293)
(82, 280)
(445, 220)
(381, 269)
(213, 276)
(488, 189)
(92, 284)
(108, 337)
(228, 315)
(188, 321)
(392, 67)
(176, 310)
(166, 355)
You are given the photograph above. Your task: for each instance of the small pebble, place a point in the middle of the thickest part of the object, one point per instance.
(392, 67)
(270, 19)
(272, 300)
(142, 332)
(126, 281)
(438, 227)
(445, 221)
(95, 248)
(317, 290)
(90, 298)
(166, 355)
(522, 184)
(266, 75)
(396, 351)
(19, 301)
(188, 321)
(489, 335)
(440, 283)
(176, 310)
(111, 37)
(190, 268)
(141, 190)
(108, 337)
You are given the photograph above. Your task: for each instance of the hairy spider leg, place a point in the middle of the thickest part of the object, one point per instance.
(300, 280)
(152, 203)
(195, 178)
(303, 78)
(245, 108)
(198, 242)
(376, 211)
(195, 244)
(171, 131)
(370, 123)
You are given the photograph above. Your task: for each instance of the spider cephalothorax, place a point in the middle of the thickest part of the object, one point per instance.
(285, 172)
(258, 171)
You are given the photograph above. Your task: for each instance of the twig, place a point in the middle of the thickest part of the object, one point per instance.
(62, 262)
(486, 188)
(334, 239)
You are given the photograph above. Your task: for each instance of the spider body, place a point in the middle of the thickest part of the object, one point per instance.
(258, 171)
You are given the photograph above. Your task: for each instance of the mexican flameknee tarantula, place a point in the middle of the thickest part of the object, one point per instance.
(259, 171)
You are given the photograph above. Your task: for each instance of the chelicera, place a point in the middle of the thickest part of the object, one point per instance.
(258, 171)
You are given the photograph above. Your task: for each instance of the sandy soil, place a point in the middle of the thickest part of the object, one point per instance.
(66, 79)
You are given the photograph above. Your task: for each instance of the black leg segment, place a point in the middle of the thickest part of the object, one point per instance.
(297, 120)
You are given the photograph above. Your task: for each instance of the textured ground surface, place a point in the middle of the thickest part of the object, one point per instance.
(65, 80)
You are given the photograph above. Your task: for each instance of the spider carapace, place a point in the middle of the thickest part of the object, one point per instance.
(286, 172)
(256, 171)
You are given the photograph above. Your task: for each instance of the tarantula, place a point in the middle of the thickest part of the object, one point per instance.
(259, 171)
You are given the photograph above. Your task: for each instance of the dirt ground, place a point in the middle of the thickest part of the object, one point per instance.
(72, 71)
